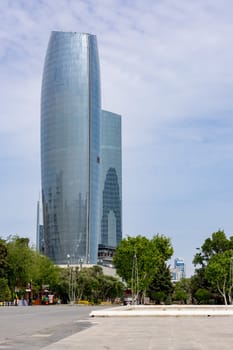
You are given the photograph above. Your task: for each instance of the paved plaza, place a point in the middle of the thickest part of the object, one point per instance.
(67, 327)
(153, 333)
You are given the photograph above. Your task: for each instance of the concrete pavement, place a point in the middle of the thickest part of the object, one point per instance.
(165, 310)
(152, 333)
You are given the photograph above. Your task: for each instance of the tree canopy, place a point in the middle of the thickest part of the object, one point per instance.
(21, 265)
(151, 255)
(215, 274)
(218, 243)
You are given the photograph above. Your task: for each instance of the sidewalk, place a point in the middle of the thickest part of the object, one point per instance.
(152, 333)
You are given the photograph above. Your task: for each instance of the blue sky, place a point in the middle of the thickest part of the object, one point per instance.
(166, 67)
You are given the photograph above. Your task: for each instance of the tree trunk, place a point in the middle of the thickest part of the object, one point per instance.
(225, 298)
(230, 294)
(222, 292)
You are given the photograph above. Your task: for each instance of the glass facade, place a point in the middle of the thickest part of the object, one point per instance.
(70, 147)
(111, 181)
(179, 264)
(39, 229)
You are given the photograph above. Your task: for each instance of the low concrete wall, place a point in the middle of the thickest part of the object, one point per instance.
(165, 310)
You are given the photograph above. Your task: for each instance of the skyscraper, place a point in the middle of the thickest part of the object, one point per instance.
(110, 182)
(70, 147)
(180, 265)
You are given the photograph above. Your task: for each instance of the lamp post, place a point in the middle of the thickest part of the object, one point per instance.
(69, 275)
(73, 276)
(134, 280)
(81, 263)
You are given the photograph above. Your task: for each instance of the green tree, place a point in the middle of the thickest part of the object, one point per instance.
(182, 291)
(110, 288)
(161, 287)
(19, 260)
(24, 265)
(84, 284)
(212, 262)
(151, 254)
(199, 281)
(203, 296)
(94, 286)
(88, 283)
(5, 294)
(218, 243)
(43, 272)
(219, 274)
(3, 258)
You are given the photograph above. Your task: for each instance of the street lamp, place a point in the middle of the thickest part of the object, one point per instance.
(134, 280)
(81, 263)
(69, 272)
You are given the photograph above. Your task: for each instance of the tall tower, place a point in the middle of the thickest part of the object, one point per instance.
(111, 181)
(179, 264)
(70, 147)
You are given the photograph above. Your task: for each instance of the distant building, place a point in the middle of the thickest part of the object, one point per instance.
(105, 255)
(180, 265)
(178, 272)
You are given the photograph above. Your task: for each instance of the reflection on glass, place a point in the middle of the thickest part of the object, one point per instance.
(70, 129)
(111, 217)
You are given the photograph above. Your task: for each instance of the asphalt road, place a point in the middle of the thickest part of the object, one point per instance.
(34, 327)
